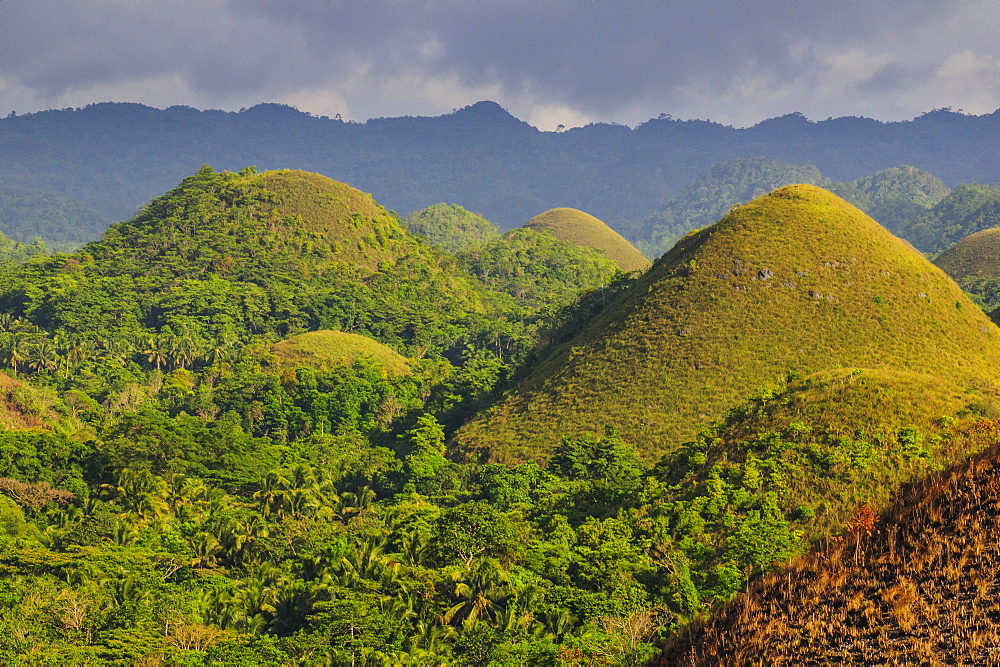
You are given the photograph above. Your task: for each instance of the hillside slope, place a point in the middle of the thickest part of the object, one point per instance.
(797, 281)
(583, 229)
(916, 587)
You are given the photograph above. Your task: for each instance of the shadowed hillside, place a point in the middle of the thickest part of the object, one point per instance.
(917, 586)
(797, 281)
(583, 229)
(977, 255)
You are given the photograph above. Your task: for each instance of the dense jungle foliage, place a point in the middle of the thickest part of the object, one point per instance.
(227, 430)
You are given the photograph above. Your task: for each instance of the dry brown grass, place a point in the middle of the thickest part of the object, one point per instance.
(919, 590)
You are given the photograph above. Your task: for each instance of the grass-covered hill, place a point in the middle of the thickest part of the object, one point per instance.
(976, 255)
(974, 263)
(583, 229)
(795, 282)
(451, 227)
(916, 586)
(327, 349)
(226, 256)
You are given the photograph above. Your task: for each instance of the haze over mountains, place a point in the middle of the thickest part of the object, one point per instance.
(115, 157)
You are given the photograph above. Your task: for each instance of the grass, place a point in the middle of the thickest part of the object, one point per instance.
(977, 255)
(583, 229)
(917, 586)
(327, 349)
(798, 281)
(344, 220)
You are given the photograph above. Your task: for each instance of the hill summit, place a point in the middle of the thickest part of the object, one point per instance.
(795, 282)
(976, 255)
(582, 229)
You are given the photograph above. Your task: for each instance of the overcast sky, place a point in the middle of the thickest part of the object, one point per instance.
(548, 62)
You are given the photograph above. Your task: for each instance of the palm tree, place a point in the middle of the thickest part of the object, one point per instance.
(482, 590)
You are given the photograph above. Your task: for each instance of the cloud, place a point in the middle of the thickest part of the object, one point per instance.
(564, 62)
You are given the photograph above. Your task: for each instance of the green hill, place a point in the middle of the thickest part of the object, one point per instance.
(710, 196)
(896, 195)
(795, 282)
(540, 271)
(327, 349)
(583, 229)
(226, 255)
(914, 587)
(451, 227)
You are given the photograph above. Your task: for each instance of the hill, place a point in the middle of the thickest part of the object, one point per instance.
(967, 209)
(710, 196)
(479, 155)
(230, 255)
(539, 271)
(327, 349)
(976, 255)
(583, 229)
(914, 587)
(451, 227)
(974, 263)
(797, 281)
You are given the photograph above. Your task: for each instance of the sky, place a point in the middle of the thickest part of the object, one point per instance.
(548, 62)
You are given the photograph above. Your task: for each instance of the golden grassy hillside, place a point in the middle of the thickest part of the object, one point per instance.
(327, 349)
(798, 281)
(917, 586)
(360, 231)
(582, 229)
(977, 255)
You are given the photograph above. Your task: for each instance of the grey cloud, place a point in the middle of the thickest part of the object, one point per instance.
(605, 59)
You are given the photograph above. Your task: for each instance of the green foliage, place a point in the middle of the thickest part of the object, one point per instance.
(966, 210)
(537, 269)
(451, 227)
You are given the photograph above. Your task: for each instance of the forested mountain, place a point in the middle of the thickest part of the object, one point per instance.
(63, 223)
(798, 281)
(966, 210)
(479, 157)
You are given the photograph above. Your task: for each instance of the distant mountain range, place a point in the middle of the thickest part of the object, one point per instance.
(112, 158)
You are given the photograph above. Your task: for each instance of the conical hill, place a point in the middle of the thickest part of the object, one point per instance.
(914, 587)
(242, 224)
(976, 255)
(327, 349)
(583, 229)
(795, 282)
(245, 254)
